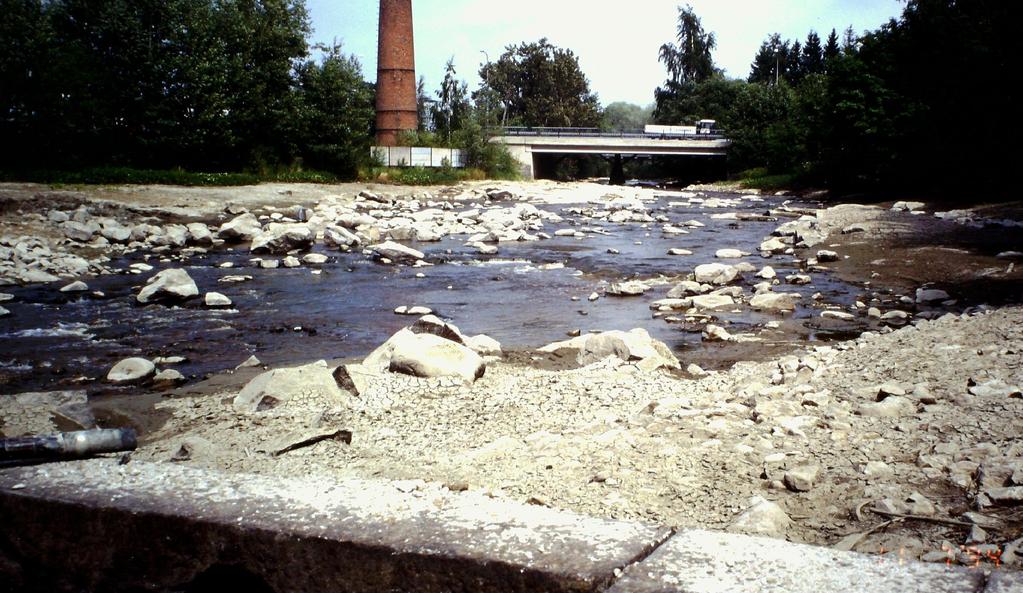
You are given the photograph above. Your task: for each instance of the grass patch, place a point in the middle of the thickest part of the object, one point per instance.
(129, 176)
(759, 178)
(420, 175)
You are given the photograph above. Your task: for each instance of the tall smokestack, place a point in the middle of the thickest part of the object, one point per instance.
(397, 110)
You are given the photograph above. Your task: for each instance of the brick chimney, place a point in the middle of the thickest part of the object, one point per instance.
(396, 73)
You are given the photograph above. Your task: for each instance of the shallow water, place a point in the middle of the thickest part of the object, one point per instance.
(58, 341)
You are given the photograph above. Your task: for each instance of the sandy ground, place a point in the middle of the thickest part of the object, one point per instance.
(883, 444)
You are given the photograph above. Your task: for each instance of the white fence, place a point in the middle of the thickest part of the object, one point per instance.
(415, 156)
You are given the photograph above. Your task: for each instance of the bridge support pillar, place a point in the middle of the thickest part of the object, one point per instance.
(617, 170)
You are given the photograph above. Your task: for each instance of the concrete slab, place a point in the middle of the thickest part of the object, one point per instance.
(696, 561)
(99, 526)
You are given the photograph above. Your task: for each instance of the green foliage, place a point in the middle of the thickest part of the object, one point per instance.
(541, 85)
(159, 84)
(129, 176)
(623, 117)
(690, 61)
(452, 108)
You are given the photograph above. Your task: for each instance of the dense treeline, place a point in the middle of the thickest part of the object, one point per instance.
(199, 84)
(921, 103)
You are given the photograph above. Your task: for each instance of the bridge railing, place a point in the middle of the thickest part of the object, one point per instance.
(598, 133)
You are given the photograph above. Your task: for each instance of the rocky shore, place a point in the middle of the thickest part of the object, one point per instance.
(903, 439)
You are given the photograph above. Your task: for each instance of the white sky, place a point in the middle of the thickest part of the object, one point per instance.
(616, 42)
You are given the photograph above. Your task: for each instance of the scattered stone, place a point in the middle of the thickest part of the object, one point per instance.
(314, 258)
(890, 407)
(679, 252)
(169, 359)
(729, 254)
(1010, 495)
(995, 388)
(291, 262)
(131, 370)
(169, 285)
(714, 333)
(825, 256)
(240, 228)
(767, 273)
(396, 252)
(717, 274)
(249, 362)
(775, 301)
(168, 377)
(216, 299)
(918, 504)
(279, 238)
(632, 346)
(712, 302)
(269, 264)
(428, 356)
(626, 289)
(762, 517)
(840, 315)
(930, 295)
(801, 478)
(593, 296)
(798, 279)
(77, 286)
(907, 206)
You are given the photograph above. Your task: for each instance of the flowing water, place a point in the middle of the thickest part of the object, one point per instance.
(54, 340)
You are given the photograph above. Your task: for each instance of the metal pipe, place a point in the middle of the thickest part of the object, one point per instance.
(66, 445)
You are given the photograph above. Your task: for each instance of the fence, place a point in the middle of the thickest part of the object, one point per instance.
(415, 156)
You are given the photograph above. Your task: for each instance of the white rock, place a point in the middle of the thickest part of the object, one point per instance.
(168, 376)
(240, 228)
(314, 258)
(713, 302)
(593, 296)
(484, 345)
(283, 237)
(714, 333)
(396, 252)
(679, 252)
(718, 274)
(775, 301)
(728, 254)
(801, 478)
(173, 284)
(215, 299)
(840, 315)
(4, 312)
(762, 518)
(314, 384)
(77, 286)
(891, 407)
(626, 289)
(767, 273)
(632, 346)
(798, 279)
(291, 262)
(130, 370)
(826, 256)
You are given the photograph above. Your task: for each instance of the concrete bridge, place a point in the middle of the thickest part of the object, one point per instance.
(529, 146)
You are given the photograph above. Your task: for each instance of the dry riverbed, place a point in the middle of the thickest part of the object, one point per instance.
(905, 440)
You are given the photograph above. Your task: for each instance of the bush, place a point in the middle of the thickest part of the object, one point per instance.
(130, 176)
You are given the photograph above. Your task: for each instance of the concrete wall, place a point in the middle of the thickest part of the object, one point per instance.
(102, 526)
(406, 156)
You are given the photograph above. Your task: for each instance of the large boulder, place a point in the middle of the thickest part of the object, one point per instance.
(199, 234)
(243, 227)
(283, 237)
(396, 252)
(312, 384)
(79, 231)
(131, 370)
(632, 346)
(719, 274)
(429, 356)
(168, 285)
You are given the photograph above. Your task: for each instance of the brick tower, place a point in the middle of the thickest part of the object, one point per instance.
(396, 72)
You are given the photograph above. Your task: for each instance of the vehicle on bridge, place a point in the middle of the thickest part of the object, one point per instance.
(704, 127)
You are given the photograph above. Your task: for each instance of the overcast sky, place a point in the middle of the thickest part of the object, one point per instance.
(616, 42)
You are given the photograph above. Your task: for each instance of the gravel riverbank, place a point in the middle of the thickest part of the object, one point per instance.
(903, 438)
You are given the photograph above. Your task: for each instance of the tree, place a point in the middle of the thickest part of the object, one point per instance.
(691, 59)
(337, 112)
(771, 62)
(832, 50)
(542, 85)
(621, 116)
(812, 59)
(452, 107)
